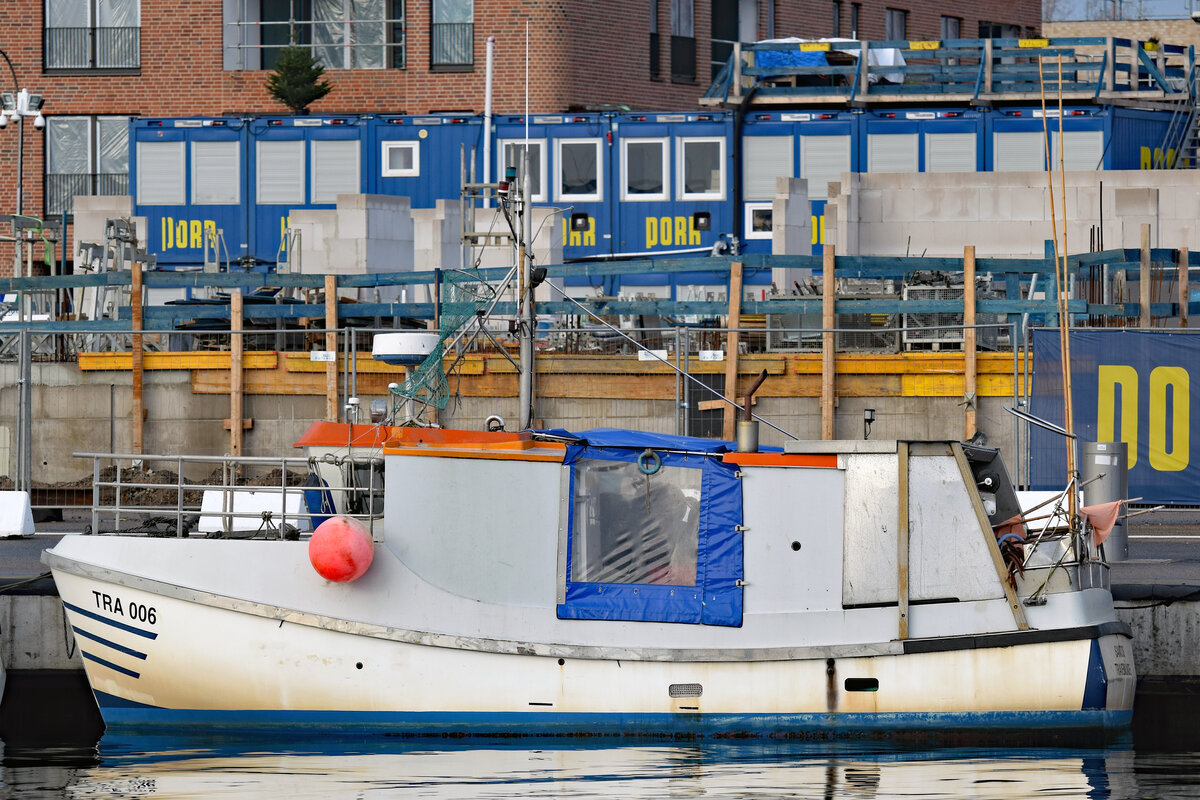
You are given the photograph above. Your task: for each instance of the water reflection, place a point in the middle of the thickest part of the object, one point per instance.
(150, 767)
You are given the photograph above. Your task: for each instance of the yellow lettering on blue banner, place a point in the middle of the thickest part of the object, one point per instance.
(924, 45)
(1033, 43)
(1109, 377)
(814, 47)
(1175, 459)
(818, 229)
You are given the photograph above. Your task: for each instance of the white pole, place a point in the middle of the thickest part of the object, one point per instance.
(487, 115)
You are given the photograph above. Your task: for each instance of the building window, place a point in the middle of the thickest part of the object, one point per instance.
(998, 30)
(512, 154)
(683, 42)
(855, 11)
(655, 47)
(837, 18)
(85, 156)
(578, 170)
(896, 25)
(401, 159)
(702, 176)
(342, 34)
(759, 220)
(644, 169)
(453, 31)
(92, 34)
(951, 28)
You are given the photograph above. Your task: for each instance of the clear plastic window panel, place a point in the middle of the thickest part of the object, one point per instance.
(644, 167)
(702, 167)
(630, 527)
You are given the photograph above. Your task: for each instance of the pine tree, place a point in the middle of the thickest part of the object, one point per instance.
(296, 80)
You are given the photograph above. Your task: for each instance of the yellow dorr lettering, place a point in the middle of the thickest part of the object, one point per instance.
(1109, 377)
(210, 231)
(197, 240)
(651, 232)
(1177, 459)
(693, 232)
(168, 240)
(681, 230)
(589, 236)
(664, 232)
(1144, 158)
(181, 233)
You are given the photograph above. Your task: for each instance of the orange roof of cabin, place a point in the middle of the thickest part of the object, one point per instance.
(446, 443)
(343, 434)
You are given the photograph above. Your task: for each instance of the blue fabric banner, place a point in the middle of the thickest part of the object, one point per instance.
(1130, 386)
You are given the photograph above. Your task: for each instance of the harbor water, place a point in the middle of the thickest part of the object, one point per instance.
(149, 767)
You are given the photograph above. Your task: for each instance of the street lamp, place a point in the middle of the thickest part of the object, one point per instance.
(18, 104)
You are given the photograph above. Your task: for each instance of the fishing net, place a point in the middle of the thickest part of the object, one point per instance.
(464, 296)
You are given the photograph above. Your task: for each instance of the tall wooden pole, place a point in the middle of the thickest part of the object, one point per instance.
(828, 341)
(1144, 279)
(970, 366)
(138, 412)
(235, 373)
(729, 430)
(1184, 292)
(331, 346)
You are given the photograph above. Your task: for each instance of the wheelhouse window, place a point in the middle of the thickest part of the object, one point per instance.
(702, 176)
(453, 34)
(85, 156)
(578, 170)
(92, 34)
(342, 34)
(630, 527)
(401, 159)
(654, 535)
(512, 154)
(644, 169)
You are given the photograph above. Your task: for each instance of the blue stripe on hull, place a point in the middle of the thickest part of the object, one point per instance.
(120, 713)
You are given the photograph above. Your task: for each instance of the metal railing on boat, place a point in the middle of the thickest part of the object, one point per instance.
(129, 497)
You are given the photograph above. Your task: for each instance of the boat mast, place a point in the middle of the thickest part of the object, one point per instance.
(526, 317)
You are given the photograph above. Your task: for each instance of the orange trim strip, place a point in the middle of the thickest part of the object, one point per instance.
(547, 451)
(780, 460)
(343, 434)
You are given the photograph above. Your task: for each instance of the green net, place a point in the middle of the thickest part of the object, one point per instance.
(464, 295)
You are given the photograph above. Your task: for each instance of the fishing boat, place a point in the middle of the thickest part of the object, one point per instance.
(609, 581)
(614, 581)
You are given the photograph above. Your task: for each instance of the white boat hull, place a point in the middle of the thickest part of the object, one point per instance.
(158, 659)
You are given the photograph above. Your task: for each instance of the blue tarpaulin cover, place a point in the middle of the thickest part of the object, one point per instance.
(716, 599)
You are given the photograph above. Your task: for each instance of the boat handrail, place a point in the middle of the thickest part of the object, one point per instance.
(278, 517)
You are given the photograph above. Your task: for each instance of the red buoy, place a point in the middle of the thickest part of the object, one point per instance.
(341, 549)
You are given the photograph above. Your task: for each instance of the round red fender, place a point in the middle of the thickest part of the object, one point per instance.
(341, 549)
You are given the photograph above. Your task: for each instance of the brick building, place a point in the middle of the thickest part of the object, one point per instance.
(98, 62)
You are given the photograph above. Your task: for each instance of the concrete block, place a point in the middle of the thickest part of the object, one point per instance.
(352, 223)
(16, 516)
(870, 205)
(1141, 201)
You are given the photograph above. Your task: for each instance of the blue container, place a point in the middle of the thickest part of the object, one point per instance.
(421, 157)
(299, 162)
(816, 145)
(187, 179)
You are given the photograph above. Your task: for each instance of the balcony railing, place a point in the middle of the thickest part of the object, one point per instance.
(62, 188)
(93, 48)
(453, 44)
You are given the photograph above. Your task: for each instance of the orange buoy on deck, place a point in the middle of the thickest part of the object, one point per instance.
(341, 549)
